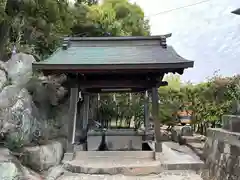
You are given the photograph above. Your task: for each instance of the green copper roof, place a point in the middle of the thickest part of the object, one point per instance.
(114, 55)
(115, 51)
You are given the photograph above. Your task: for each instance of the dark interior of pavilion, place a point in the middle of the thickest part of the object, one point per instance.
(116, 113)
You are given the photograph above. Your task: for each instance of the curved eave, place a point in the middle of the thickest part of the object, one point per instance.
(237, 11)
(90, 68)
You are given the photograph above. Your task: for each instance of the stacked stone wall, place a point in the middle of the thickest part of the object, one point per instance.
(222, 154)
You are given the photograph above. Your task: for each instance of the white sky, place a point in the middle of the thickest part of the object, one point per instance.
(206, 33)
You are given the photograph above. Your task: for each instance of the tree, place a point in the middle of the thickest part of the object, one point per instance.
(116, 17)
(208, 101)
(36, 26)
(37, 23)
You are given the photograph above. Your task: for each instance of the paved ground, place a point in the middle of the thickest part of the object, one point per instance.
(168, 175)
(174, 153)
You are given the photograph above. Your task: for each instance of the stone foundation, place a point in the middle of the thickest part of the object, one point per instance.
(222, 154)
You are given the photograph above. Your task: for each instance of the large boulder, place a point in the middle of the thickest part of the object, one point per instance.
(43, 157)
(19, 68)
(48, 89)
(11, 168)
(9, 96)
(22, 114)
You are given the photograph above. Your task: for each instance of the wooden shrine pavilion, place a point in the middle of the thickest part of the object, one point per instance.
(113, 64)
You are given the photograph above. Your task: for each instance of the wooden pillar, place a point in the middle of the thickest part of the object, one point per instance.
(146, 110)
(155, 109)
(85, 110)
(86, 99)
(71, 123)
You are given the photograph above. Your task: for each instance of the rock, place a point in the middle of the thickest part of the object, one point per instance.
(57, 127)
(3, 79)
(3, 66)
(54, 89)
(31, 175)
(10, 171)
(55, 172)
(21, 113)
(11, 168)
(9, 96)
(42, 157)
(8, 127)
(19, 68)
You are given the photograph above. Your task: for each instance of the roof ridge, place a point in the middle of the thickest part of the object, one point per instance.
(118, 38)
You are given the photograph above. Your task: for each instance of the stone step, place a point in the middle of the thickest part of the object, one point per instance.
(113, 166)
(114, 154)
(114, 162)
(197, 148)
(176, 157)
(166, 175)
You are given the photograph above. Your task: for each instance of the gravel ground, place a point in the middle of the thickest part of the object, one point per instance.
(168, 175)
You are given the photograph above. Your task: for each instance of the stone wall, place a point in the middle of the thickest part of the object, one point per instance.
(222, 154)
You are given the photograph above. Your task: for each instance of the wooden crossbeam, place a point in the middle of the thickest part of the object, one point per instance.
(113, 84)
(115, 90)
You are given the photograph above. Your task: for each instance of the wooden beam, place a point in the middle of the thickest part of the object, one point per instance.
(112, 132)
(136, 83)
(99, 90)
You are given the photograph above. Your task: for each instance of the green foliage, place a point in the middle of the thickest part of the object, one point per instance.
(15, 142)
(208, 101)
(122, 109)
(37, 26)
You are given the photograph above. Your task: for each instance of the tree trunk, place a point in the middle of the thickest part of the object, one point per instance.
(12, 8)
(4, 35)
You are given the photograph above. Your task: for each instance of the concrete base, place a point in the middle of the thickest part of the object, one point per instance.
(172, 157)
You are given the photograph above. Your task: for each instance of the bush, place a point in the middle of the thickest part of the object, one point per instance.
(208, 101)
